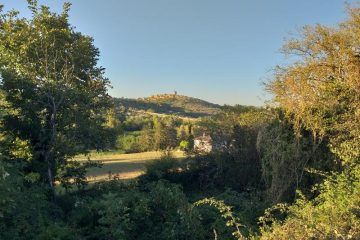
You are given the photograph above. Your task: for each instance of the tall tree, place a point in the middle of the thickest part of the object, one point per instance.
(164, 133)
(57, 91)
(321, 89)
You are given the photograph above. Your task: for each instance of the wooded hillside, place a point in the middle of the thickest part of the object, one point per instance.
(169, 104)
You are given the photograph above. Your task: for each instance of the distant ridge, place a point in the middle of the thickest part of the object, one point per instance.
(169, 104)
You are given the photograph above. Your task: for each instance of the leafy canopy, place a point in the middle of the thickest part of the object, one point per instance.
(321, 89)
(58, 94)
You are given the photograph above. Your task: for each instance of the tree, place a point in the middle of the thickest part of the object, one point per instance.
(321, 89)
(56, 90)
(164, 133)
(286, 158)
(146, 140)
(320, 94)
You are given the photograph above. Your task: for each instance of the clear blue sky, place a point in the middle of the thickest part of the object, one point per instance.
(219, 50)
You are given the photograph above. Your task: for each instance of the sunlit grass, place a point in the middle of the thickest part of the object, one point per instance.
(121, 166)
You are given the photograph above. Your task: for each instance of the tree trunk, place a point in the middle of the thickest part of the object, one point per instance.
(50, 174)
(50, 149)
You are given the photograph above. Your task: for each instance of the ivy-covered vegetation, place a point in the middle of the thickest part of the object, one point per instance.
(286, 171)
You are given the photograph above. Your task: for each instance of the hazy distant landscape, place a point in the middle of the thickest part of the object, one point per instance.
(79, 164)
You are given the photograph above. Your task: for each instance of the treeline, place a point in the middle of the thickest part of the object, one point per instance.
(287, 171)
(141, 134)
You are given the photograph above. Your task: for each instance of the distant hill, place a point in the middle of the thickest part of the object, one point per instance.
(169, 104)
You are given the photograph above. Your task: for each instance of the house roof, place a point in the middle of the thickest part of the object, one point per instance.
(204, 138)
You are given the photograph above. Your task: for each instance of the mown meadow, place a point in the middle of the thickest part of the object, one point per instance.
(122, 166)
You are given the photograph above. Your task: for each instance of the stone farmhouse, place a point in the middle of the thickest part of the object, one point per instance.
(203, 143)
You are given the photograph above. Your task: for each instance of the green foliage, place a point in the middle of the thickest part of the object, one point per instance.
(235, 162)
(226, 213)
(320, 91)
(221, 127)
(136, 123)
(164, 134)
(248, 206)
(25, 212)
(156, 133)
(239, 109)
(57, 93)
(159, 211)
(73, 174)
(285, 156)
(146, 139)
(319, 94)
(185, 145)
(162, 168)
(334, 214)
(57, 232)
(129, 142)
(54, 104)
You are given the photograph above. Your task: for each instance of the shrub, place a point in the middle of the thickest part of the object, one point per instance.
(158, 210)
(334, 214)
(161, 168)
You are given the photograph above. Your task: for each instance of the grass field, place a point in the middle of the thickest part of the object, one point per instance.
(123, 166)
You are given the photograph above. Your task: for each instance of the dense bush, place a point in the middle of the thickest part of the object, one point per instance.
(114, 210)
(129, 142)
(135, 123)
(334, 214)
(287, 159)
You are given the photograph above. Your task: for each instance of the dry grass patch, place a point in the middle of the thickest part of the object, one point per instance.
(122, 166)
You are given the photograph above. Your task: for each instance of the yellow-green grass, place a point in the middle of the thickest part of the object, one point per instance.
(122, 166)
